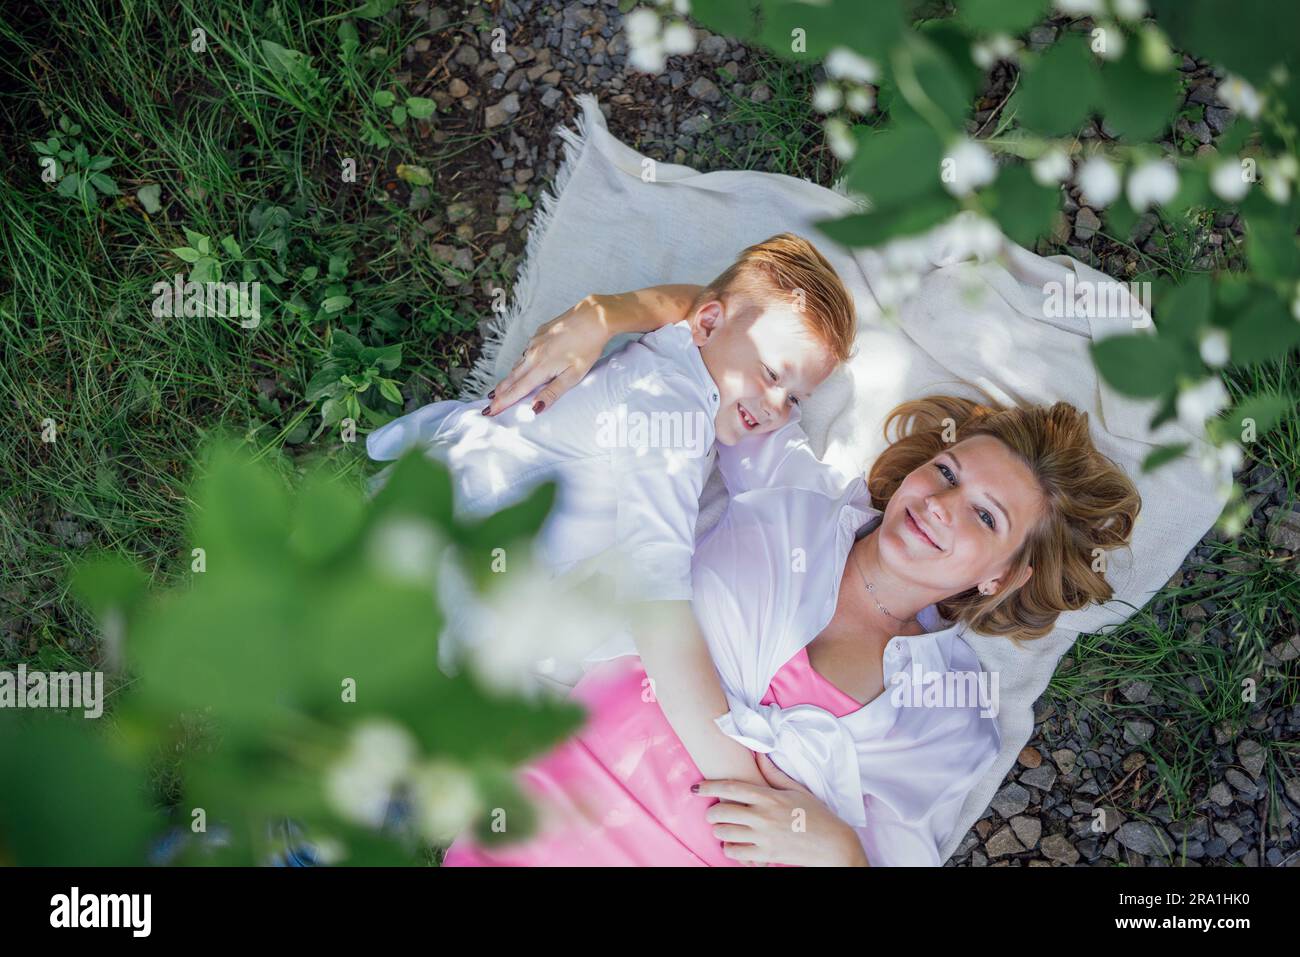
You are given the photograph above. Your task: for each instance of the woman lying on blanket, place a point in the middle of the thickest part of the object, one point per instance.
(833, 608)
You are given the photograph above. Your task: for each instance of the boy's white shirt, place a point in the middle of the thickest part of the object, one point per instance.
(767, 580)
(626, 501)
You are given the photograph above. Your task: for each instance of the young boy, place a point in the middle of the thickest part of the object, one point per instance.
(630, 448)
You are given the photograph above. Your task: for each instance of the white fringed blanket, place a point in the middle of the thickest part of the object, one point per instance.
(975, 328)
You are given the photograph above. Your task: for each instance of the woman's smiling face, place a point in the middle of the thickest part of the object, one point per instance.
(957, 521)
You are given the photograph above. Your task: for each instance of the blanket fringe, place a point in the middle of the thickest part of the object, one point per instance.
(483, 376)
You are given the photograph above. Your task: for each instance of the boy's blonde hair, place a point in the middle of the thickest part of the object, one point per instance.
(779, 266)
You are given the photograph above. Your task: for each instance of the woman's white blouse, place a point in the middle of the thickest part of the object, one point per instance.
(766, 582)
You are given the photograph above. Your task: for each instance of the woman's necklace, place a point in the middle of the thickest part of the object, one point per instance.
(871, 589)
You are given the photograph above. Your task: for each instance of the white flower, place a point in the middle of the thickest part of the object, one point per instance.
(1112, 41)
(641, 24)
(893, 288)
(680, 6)
(360, 784)
(1221, 458)
(967, 167)
(679, 38)
(1295, 303)
(1099, 181)
(406, 549)
(1277, 177)
(1228, 180)
(860, 100)
(988, 51)
(1201, 401)
(1052, 168)
(445, 798)
(1080, 8)
(1130, 9)
(827, 98)
(1239, 95)
(527, 616)
(843, 64)
(648, 56)
(840, 139)
(1214, 348)
(971, 236)
(1153, 183)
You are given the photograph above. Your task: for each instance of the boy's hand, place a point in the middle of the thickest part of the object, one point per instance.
(558, 355)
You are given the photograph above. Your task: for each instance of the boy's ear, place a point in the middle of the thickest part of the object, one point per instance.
(707, 320)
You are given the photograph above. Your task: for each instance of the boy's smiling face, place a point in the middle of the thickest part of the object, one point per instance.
(764, 360)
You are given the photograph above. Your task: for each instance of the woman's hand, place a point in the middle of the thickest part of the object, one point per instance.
(558, 355)
(779, 824)
(562, 351)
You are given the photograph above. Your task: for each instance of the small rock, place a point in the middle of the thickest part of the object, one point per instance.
(1145, 839)
(1241, 783)
(1065, 760)
(1027, 830)
(1230, 833)
(1010, 801)
(1219, 118)
(458, 211)
(466, 55)
(713, 46)
(1041, 777)
(458, 88)
(1002, 843)
(1057, 847)
(1221, 794)
(1135, 691)
(499, 113)
(694, 124)
(1284, 529)
(1251, 756)
(1086, 223)
(1030, 757)
(705, 89)
(1138, 731)
(1133, 760)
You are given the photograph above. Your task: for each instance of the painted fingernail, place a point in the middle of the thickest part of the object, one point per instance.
(487, 410)
(538, 406)
(492, 394)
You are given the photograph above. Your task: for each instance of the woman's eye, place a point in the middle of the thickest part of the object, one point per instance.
(794, 400)
(946, 472)
(986, 517)
(771, 375)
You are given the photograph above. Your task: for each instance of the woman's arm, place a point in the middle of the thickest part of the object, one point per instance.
(686, 686)
(563, 350)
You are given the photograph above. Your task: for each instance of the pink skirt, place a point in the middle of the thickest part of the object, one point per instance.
(617, 794)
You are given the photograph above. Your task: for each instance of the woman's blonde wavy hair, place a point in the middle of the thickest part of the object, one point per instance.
(1090, 504)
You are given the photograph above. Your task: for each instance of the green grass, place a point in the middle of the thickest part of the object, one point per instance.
(225, 136)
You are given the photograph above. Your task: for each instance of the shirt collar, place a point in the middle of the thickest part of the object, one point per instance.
(694, 361)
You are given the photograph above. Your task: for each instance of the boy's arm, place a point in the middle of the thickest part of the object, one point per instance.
(685, 683)
(563, 350)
